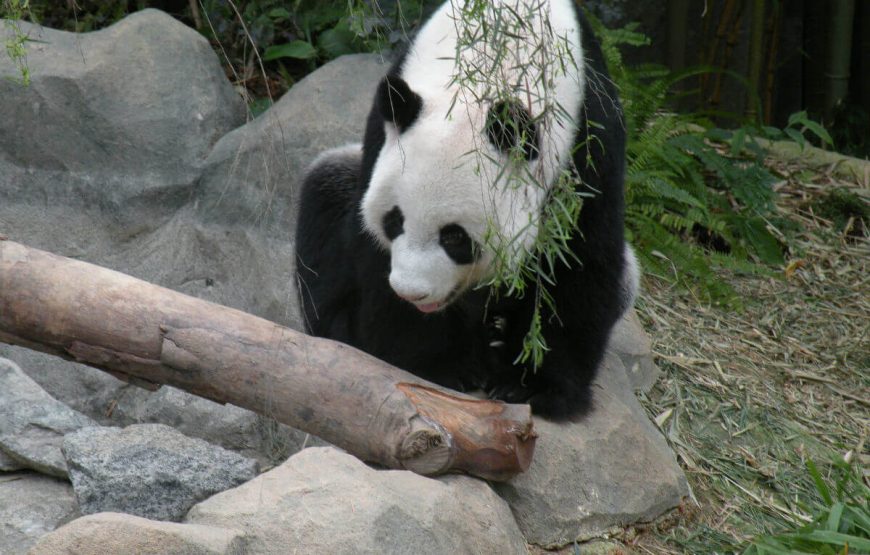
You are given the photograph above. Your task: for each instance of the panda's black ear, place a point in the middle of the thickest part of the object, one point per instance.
(509, 127)
(397, 102)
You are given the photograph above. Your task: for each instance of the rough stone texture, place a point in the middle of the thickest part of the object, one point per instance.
(33, 423)
(87, 390)
(252, 174)
(32, 505)
(148, 470)
(611, 469)
(632, 345)
(105, 533)
(150, 204)
(231, 427)
(330, 502)
(8, 464)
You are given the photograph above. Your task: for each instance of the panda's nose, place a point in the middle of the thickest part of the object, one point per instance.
(407, 291)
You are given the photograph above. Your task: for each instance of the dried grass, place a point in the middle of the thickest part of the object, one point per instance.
(748, 396)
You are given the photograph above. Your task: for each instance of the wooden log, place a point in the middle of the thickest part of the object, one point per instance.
(150, 335)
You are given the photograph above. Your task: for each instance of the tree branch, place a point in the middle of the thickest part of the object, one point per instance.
(150, 335)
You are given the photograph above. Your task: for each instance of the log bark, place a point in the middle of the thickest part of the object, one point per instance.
(150, 335)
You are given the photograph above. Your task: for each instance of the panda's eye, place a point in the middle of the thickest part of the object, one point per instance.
(457, 244)
(510, 128)
(393, 223)
(453, 236)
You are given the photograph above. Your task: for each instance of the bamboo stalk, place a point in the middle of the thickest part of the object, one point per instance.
(756, 57)
(839, 54)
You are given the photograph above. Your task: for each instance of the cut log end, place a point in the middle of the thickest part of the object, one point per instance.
(490, 439)
(427, 449)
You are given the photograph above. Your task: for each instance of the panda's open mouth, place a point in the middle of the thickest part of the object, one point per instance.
(428, 308)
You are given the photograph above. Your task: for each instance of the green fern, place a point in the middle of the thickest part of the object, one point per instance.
(683, 196)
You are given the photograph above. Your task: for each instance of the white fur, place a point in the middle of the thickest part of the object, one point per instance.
(443, 169)
(340, 154)
(630, 278)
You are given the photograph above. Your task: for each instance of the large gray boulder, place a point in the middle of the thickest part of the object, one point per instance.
(32, 505)
(325, 501)
(116, 121)
(33, 424)
(611, 469)
(148, 470)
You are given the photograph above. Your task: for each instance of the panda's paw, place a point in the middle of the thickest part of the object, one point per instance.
(510, 393)
(550, 403)
(558, 406)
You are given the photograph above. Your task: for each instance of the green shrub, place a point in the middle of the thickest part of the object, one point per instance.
(692, 210)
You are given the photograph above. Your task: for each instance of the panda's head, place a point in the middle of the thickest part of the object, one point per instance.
(457, 185)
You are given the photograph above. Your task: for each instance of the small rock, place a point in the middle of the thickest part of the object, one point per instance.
(325, 501)
(231, 427)
(31, 505)
(611, 469)
(33, 423)
(149, 470)
(632, 344)
(109, 533)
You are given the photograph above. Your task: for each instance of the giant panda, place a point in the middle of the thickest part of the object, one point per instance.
(398, 238)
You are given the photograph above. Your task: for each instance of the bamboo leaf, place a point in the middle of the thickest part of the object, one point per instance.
(298, 49)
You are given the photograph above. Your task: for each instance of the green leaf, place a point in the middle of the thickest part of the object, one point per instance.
(337, 41)
(819, 131)
(855, 543)
(821, 486)
(795, 135)
(797, 118)
(833, 521)
(279, 14)
(737, 141)
(298, 49)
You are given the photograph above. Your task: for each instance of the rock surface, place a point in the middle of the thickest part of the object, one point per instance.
(231, 427)
(631, 344)
(32, 505)
(612, 469)
(252, 174)
(148, 470)
(330, 502)
(33, 423)
(213, 220)
(108, 533)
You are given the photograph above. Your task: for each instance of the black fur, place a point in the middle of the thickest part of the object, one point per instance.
(346, 295)
(393, 223)
(397, 102)
(509, 127)
(457, 244)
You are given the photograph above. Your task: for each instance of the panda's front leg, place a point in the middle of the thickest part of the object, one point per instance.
(561, 388)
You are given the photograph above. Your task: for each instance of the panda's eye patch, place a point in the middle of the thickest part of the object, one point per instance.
(393, 223)
(510, 128)
(457, 244)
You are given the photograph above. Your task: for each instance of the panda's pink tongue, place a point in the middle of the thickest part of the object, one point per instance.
(427, 308)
